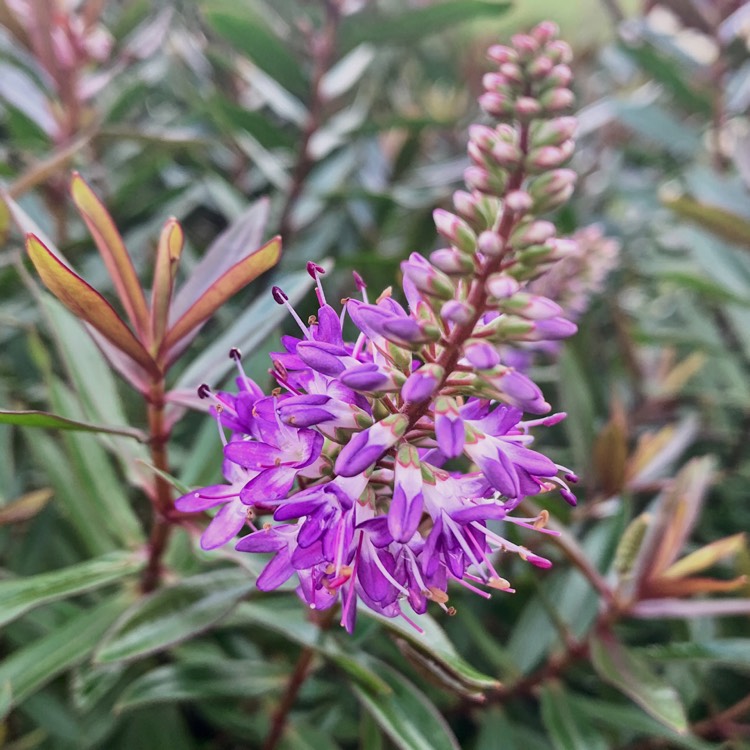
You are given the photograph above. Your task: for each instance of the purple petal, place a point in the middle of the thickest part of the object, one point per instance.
(269, 485)
(203, 499)
(322, 357)
(278, 571)
(451, 434)
(225, 525)
(404, 514)
(252, 454)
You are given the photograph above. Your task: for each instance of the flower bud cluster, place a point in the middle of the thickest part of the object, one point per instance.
(350, 454)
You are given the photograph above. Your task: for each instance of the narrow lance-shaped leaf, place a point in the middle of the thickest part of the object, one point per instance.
(629, 673)
(85, 302)
(68, 644)
(222, 289)
(167, 257)
(19, 595)
(31, 418)
(230, 247)
(113, 251)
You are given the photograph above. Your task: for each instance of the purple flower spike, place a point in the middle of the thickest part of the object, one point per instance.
(348, 460)
(366, 447)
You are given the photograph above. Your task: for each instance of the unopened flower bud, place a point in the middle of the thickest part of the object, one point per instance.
(532, 306)
(480, 157)
(553, 132)
(506, 154)
(527, 108)
(452, 261)
(550, 185)
(497, 83)
(506, 328)
(484, 181)
(466, 205)
(489, 243)
(545, 32)
(501, 286)
(426, 277)
(512, 73)
(518, 201)
(482, 137)
(500, 54)
(457, 311)
(556, 100)
(532, 233)
(422, 383)
(533, 255)
(553, 329)
(525, 45)
(560, 51)
(497, 105)
(481, 354)
(550, 157)
(455, 230)
(540, 67)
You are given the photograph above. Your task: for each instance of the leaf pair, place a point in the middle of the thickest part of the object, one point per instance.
(154, 340)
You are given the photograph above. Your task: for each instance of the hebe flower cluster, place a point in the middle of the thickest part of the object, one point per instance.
(341, 473)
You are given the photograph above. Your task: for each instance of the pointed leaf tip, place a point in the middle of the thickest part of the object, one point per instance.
(85, 302)
(227, 285)
(113, 252)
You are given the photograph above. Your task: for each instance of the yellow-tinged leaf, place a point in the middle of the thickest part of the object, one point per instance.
(25, 507)
(718, 220)
(238, 276)
(706, 556)
(679, 375)
(86, 303)
(113, 251)
(679, 588)
(167, 257)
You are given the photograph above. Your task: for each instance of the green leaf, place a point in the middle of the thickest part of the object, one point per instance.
(730, 652)
(437, 652)
(174, 614)
(633, 676)
(242, 678)
(19, 595)
(288, 619)
(86, 303)
(33, 418)
(417, 23)
(567, 727)
(405, 714)
(68, 644)
(631, 720)
(251, 36)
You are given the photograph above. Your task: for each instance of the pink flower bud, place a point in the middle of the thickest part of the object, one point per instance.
(553, 132)
(452, 261)
(560, 51)
(518, 201)
(506, 154)
(500, 54)
(489, 243)
(455, 230)
(457, 311)
(540, 67)
(482, 136)
(476, 154)
(480, 179)
(549, 157)
(512, 73)
(534, 233)
(557, 100)
(496, 104)
(526, 46)
(545, 32)
(501, 286)
(527, 108)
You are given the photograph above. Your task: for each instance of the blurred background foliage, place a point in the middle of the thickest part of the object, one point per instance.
(350, 118)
